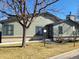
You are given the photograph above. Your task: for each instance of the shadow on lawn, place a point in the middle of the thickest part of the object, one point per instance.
(10, 46)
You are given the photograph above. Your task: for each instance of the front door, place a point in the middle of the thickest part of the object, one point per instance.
(49, 32)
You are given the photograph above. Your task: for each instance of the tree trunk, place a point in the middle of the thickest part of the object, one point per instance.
(24, 36)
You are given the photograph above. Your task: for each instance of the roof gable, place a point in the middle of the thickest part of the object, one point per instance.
(69, 22)
(46, 15)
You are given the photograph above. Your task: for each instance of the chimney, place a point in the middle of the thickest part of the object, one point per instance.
(71, 17)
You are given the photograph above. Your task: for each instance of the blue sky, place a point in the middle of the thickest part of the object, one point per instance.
(63, 7)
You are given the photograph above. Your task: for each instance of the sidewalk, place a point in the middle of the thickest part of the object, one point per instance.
(17, 42)
(68, 55)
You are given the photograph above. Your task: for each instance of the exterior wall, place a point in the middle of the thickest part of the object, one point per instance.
(39, 21)
(67, 30)
(77, 30)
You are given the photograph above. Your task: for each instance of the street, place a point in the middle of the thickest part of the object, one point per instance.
(76, 57)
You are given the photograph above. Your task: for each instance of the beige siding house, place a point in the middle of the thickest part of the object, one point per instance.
(68, 28)
(11, 29)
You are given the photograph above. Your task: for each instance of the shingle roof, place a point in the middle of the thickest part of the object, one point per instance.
(51, 17)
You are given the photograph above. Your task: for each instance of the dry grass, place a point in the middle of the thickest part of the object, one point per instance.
(35, 51)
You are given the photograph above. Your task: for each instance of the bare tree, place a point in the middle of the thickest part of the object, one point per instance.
(22, 13)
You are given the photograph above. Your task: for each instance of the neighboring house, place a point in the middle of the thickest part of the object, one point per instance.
(66, 28)
(12, 29)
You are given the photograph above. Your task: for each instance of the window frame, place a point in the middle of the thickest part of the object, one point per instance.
(7, 31)
(36, 31)
(60, 29)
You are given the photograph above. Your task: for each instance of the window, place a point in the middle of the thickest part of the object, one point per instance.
(77, 32)
(60, 30)
(39, 30)
(8, 29)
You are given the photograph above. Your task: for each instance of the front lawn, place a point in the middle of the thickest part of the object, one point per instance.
(35, 51)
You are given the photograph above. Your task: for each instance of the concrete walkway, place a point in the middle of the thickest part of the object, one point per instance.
(68, 55)
(18, 42)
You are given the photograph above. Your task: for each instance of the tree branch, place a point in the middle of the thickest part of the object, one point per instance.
(34, 13)
(6, 13)
(47, 5)
(13, 7)
(27, 12)
(41, 2)
(10, 5)
(19, 20)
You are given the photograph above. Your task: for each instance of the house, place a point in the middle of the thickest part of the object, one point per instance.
(11, 29)
(68, 28)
